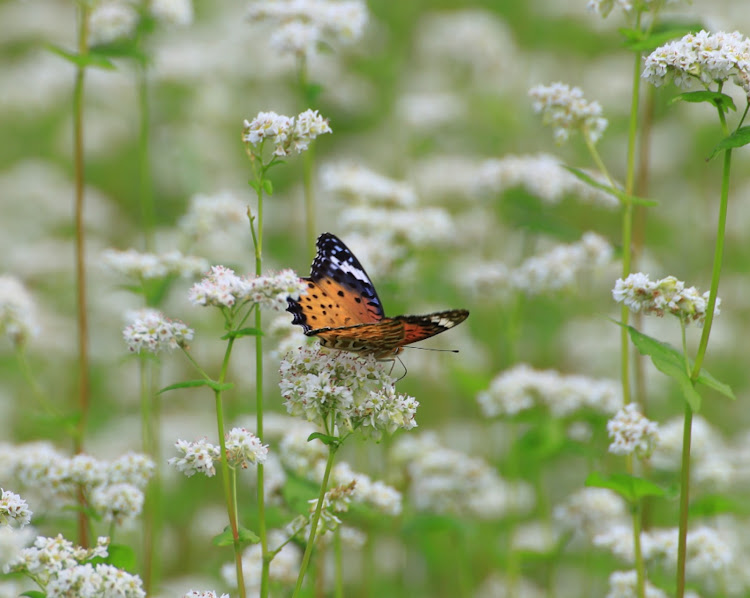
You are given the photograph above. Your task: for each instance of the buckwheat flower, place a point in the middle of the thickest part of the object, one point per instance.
(17, 311)
(668, 451)
(117, 503)
(623, 584)
(272, 290)
(708, 555)
(667, 295)
(618, 539)
(147, 266)
(631, 432)
(288, 134)
(521, 388)
(336, 500)
(32, 463)
(377, 494)
(222, 288)
(12, 542)
(196, 456)
(703, 56)
(317, 383)
(151, 331)
(565, 109)
(203, 594)
(83, 470)
(296, 37)
(245, 448)
(415, 227)
(111, 20)
(131, 468)
(13, 509)
(591, 511)
(208, 214)
(49, 557)
(541, 175)
(172, 12)
(359, 185)
(99, 580)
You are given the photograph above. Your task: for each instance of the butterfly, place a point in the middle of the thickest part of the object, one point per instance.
(342, 308)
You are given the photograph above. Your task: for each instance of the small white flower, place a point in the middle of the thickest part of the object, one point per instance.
(623, 584)
(591, 511)
(118, 503)
(152, 332)
(172, 12)
(196, 457)
(17, 311)
(111, 20)
(289, 134)
(146, 266)
(631, 432)
(244, 448)
(131, 468)
(213, 214)
(13, 509)
(565, 109)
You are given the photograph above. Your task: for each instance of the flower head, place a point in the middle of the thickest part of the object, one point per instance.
(667, 295)
(13, 509)
(213, 213)
(111, 20)
(703, 56)
(566, 110)
(631, 432)
(196, 456)
(118, 503)
(244, 448)
(152, 332)
(289, 134)
(146, 266)
(316, 383)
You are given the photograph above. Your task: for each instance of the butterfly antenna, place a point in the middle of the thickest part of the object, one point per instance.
(431, 349)
(403, 366)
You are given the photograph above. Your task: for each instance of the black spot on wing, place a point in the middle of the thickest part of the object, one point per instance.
(335, 260)
(295, 308)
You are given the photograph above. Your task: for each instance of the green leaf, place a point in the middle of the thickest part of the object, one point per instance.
(268, 186)
(739, 138)
(241, 332)
(254, 184)
(708, 380)
(225, 538)
(82, 60)
(247, 536)
(668, 361)
(619, 194)
(325, 439)
(121, 556)
(34, 594)
(639, 43)
(195, 383)
(629, 487)
(125, 48)
(718, 99)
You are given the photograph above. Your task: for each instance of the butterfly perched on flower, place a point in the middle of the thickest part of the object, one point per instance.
(342, 308)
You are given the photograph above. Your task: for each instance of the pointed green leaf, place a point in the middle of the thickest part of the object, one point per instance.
(247, 536)
(121, 556)
(268, 186)
(34, 594)
(721, 100)
(739, 138)
(708, 380)
(324, 438)
(82, 60)
(619, 194)
(631, 488)
(225, 538)
(668, 361)
(195, 383)
(242, 332)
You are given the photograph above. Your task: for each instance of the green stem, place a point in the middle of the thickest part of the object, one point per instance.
(225, 474)
(684, 501)
(316, 518)
(80, 263)
(338, 564)
(148, 218)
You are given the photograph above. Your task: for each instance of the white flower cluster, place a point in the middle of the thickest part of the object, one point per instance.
(336, 500)
(317, 383)
(17, 311)
(522, 388)
(565, 109)
(668, 294)
(61, 569)
(415, 227)
(303, 24)
(289, 134)
(223, 288)
(707, 57)
(376, 494)
(284, 566)
(591, 511)
(558, 269)
(604, 7)
(357, 184)
(624, 584)
(111, 20)
(710, 558)
(631, 432)
(13, 509)
(113, 488)
(147, 266)
(203, 594)
(208, 214)
(541, 175)
(151, 331)
(445, 481)
(243, 449)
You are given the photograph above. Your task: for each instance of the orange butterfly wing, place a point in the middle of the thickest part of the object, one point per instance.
(342, 308)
